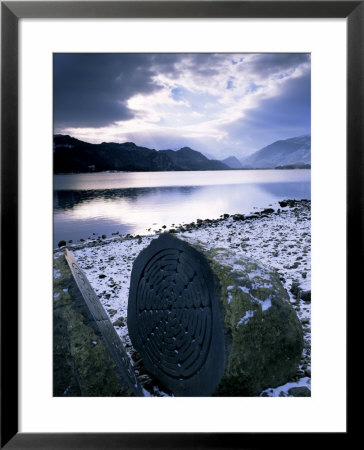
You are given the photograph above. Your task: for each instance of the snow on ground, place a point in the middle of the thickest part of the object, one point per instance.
(279, 239)
(285, 390)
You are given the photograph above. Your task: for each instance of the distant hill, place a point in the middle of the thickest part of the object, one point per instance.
(188, 159)
(289, 153)
(232, 162)
(71, 155)
(295, 166)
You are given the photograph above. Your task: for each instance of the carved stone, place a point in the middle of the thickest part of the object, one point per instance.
(174, 317)
(203, 329)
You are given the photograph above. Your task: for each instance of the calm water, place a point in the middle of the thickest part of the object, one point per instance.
(104, 203)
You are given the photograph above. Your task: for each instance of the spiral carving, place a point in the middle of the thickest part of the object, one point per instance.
(174, 318)
(174, 314)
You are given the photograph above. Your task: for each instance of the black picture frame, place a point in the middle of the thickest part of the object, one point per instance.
(11, 12)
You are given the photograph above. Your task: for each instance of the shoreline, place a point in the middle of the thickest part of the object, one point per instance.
(287, 167)
(280, 239)
(100, 240)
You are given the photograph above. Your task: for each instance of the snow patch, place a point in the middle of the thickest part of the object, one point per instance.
(275, 392)
(146, 393)
(248, 315)
(244, 289)
(56, 273)
(266, 304)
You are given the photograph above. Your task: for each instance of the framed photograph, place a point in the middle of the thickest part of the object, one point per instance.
(156, 188)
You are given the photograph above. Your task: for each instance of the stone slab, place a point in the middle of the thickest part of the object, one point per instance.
(208, 322)
(174, 317)
(110, 337)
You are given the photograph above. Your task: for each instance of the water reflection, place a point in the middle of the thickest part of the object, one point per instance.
(80, 213)
(67, 199)
(122, 180)
(282, 190)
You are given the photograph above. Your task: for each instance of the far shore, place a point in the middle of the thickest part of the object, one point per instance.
(305, 167)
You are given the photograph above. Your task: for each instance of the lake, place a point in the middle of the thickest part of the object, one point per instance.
(93, 204)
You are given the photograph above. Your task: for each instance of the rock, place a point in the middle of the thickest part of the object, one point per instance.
(62, 244)
(237, 217)
(203, 329)
(301, 391)
(143, 378)
(290, 203)
(305, 320)
(103, 236)
(306, 296)
(119, 322)
(295, 289)
(267, 211)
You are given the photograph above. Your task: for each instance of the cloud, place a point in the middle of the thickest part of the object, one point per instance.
(223, 104)
(278, 117)
(92, 90)
(267, 64)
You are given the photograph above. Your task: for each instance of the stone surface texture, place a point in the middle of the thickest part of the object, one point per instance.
(174, 317)
(206, 323)
(82, 365)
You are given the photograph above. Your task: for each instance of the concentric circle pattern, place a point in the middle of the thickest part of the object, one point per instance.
(174, 314)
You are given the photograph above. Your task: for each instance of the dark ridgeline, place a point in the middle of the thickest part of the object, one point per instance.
(74, 156)
(188, 159)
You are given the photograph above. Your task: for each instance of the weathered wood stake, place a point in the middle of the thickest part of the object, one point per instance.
(111, 339)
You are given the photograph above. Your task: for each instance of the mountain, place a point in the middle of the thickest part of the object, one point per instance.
(232, 162)
(71, 155)
(188, 159)
(293, 152)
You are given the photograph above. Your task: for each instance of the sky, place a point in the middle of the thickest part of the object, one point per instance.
(219, 104)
